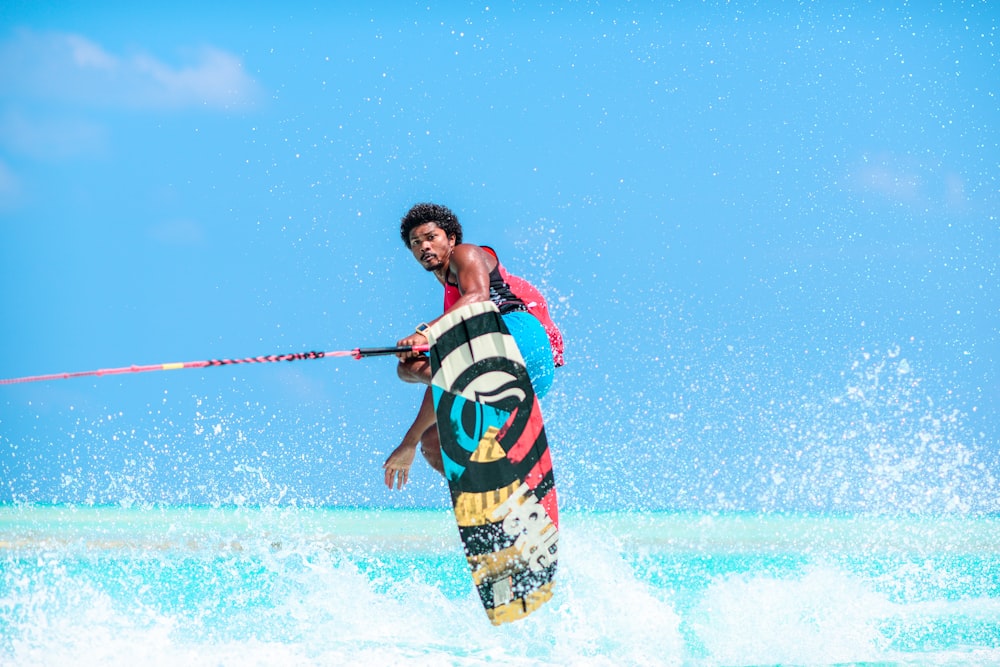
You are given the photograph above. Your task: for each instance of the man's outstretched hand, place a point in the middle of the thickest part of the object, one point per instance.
(397, 466)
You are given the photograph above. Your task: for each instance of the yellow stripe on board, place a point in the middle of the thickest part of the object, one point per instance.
(172, 367)
(517, 609)
(495, 565)
(489, 450)
(474, 509)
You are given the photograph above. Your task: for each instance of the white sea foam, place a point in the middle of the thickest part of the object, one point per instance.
(299, 587)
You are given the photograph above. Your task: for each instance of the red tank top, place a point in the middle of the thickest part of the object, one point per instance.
(529, 295)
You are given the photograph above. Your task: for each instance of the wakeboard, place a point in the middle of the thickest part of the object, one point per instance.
(496, 460)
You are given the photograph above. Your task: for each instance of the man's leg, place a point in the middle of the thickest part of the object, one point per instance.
(419, 371)
(415, 371)
(430, 447)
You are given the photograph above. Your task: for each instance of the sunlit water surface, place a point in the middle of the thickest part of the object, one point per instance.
(250, 586)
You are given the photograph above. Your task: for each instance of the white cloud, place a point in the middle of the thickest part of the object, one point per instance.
(10, 187)
(45, 138)
(900, 179)
(179, 232)
(885, 176)
(72, 69)
(86, 54)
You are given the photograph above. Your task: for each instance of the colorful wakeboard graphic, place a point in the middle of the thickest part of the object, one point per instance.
(496, 460)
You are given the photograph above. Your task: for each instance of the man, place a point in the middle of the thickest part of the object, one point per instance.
(469, 274)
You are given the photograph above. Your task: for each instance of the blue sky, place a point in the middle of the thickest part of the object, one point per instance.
(770, 235)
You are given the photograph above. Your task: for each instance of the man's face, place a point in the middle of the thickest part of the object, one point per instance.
(430, 245)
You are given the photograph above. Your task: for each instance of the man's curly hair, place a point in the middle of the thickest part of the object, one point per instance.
(421, 214)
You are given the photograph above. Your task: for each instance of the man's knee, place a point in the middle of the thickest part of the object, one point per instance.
(433, 458)
(415, 371)
(430, 447)
(406, 372)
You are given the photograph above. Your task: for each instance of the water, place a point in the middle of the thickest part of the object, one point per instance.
(90, 585)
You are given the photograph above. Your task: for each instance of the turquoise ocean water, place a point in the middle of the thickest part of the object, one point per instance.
(84, 585)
